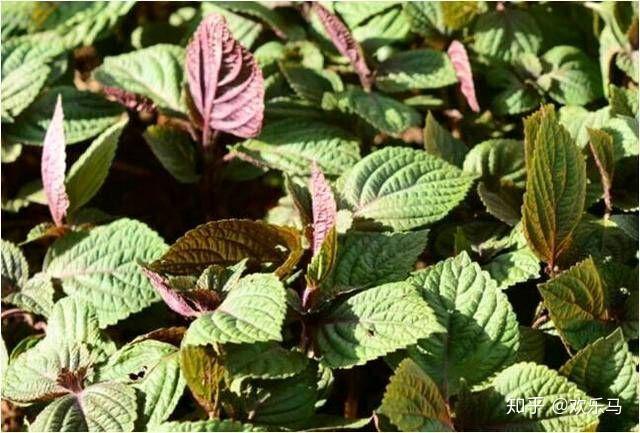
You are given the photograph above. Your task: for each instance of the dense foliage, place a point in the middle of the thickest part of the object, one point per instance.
(319, 216)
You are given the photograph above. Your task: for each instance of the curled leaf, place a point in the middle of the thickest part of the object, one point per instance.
(323, 206)
(225, 82)
(344, 43)
(53, 166)
(460, 60)
(186, 303)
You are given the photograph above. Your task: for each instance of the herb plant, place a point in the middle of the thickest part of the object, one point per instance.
(387, 216)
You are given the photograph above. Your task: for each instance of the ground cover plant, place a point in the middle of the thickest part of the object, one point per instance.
(387, 216)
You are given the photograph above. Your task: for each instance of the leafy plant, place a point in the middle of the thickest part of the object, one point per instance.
(250, 216)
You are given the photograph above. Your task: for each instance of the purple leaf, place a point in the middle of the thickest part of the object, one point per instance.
(345, 43)
(53, 166)
(323, 207)
(188, 304)
(131, 101)
(460, 60)
(225, 82)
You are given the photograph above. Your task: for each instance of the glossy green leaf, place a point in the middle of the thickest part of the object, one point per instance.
(175, 151)
(439, 142)
(416, 69)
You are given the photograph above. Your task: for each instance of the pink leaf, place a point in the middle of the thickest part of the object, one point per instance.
(345, 43)
(225, 81)
(323, 207)
(187, 304)
(53, 166)
(460, 60)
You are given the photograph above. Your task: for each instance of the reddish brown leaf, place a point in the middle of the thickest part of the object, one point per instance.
(225, 82)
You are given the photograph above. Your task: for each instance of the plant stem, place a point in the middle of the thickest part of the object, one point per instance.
(211, 175)
(351, 402)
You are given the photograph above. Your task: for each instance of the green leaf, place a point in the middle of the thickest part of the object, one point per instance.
(283, 403)
(629, 62)
(263, 361)
(21, 86)
(310, 83)
(439, 142)
(152, 367)
(205, 375)
(211, 425)
(480, 329)
(226, 242)
(354, 13)
(572, 79)
(246, 31)
(383, 113)
(15, 269)
(504, 35)
(577, 120)
(415, 69)
(498, 161)
(532, 345)
(253, 310)
(155, 72)
(373, 323)
(606, 369)
(175, 151)
(368, 259)
(623, 101)
(35, 296)
(556, 186)
(624, 131)
(86, 115)
(102, 268)
(413, 402)
(488, 409)
(403, 188)
(513, 267)
(33, 375)
(89, 172)
(271, 16)
(578, 302)
(425, 18)
(98, 408)
(383, 29)
(290, 145)
(74, 321)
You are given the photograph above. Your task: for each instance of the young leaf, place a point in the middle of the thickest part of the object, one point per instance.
(102, 267)
(488, 410)
(226, 242)
(155, 72)
(225, 81)
(606, 369)
(460, 61)
(89, 172)
(577, 301)
(403, 188)
(601, 145)
(413, 402)
(323, 206)
(373, 323)
(481, 331)
(98, 408)
(345, 43)
(53, 166)
(556, 186)
(186, 303)
(253, 311)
